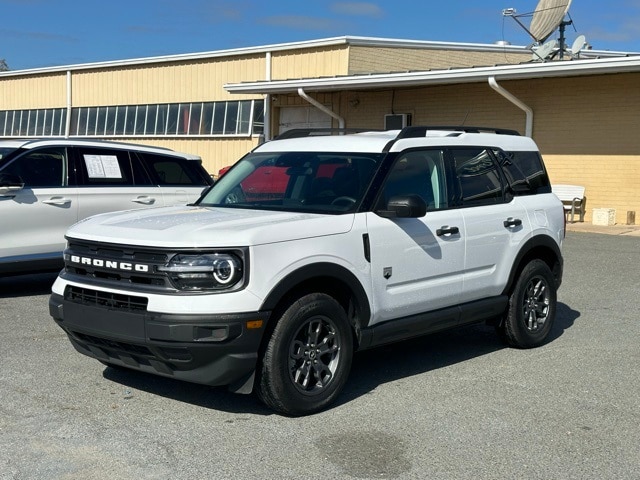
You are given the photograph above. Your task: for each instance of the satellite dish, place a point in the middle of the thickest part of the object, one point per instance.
(544, 52)
(547, 16)
(578, 44)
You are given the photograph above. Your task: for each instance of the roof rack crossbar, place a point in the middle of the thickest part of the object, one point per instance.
(309, 132)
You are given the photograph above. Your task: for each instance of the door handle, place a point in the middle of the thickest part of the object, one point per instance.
(57, 201)
(447, 230)
(512, 222)
(144, 200)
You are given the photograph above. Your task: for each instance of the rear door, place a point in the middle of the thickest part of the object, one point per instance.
(35, 219)
(111, 180)
(495, 223)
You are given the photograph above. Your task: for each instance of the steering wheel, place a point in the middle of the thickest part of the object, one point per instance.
(344, 200)
(235, 196)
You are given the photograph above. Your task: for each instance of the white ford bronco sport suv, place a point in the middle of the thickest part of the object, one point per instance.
(311, 248)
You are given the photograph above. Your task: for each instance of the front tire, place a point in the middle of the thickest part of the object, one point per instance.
(308, 357)
(532, 307)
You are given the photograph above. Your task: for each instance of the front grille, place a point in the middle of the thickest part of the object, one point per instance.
(87, 296)
(115, 264)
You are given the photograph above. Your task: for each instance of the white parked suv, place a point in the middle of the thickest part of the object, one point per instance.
(309, 249)
(48, 185)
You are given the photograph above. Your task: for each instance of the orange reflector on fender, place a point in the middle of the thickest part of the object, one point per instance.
(253, 324)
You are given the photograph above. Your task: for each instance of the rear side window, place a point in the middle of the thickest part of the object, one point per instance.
(44, 167)
(168, 170)
(478, 177)
(525, 172)
(109, 167)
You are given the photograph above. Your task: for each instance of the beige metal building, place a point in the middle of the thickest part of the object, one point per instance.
(219, 105)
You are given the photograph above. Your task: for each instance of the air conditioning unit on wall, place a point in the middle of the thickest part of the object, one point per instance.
(396, 121)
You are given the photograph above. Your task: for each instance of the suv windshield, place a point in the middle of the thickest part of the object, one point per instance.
(296, 181)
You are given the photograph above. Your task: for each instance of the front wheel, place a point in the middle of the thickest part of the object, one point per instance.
(308, 357)
(532, 307)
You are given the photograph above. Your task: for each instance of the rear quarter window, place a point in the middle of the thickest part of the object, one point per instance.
(168, 170)
(525, 172)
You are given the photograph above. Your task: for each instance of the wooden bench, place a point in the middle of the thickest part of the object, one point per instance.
(573, 199)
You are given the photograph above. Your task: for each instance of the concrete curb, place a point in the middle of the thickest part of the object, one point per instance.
(629, 230)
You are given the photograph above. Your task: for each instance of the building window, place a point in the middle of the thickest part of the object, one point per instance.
(198, 119)
(33, 123)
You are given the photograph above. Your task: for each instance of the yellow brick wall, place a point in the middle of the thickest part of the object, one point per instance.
(309, 63)
(611, 181)
(587, 130)
(380, 59)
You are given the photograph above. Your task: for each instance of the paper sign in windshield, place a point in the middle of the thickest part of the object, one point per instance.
(102, 166)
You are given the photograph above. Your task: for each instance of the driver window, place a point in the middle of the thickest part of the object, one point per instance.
(418, 172)
(41, 168)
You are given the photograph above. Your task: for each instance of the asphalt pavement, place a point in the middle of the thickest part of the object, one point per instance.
(455, 405)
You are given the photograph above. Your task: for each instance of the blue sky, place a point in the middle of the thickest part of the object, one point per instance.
(44, 33)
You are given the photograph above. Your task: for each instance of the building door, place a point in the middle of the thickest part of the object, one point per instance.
(302, 117)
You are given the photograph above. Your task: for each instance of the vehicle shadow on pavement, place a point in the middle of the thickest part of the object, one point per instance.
(27, 285)
(370, 369)
(216, 398)
(393, 362)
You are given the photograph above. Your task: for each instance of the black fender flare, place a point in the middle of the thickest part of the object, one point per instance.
(321, 270)
(536, 243)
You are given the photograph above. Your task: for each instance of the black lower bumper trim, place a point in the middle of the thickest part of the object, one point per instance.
(208, 349)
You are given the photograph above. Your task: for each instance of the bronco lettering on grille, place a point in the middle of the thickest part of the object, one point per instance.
(110, 264)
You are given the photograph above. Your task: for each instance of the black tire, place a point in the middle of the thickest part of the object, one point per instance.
(532, 307)
(308, 356)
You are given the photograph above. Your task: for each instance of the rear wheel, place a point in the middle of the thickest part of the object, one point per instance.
(308, 357)
(532, 307)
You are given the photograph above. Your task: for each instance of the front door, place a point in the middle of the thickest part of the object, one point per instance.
(417, 264)
(35, 218)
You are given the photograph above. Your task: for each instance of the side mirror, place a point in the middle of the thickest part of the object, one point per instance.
(10, 183)
(404, 206)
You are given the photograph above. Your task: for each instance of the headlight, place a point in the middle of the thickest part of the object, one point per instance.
(214, 271)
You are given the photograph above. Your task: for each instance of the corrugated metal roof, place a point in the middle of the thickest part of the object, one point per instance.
(334, 41)
(453, 75)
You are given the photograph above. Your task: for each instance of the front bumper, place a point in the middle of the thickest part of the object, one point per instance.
(208, 349)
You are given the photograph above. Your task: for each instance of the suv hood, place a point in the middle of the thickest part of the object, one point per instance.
(186, 227)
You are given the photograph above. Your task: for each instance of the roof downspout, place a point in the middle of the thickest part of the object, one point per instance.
(517, 102)
(267, 100)
(321, 107)
(67, 126)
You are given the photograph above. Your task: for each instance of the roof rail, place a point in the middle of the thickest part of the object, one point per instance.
(310, 132)
(421, 131)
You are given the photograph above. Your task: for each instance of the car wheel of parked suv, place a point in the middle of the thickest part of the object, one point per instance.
(308, 356)
(532, 306)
